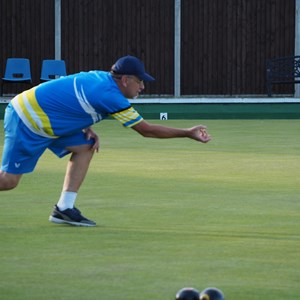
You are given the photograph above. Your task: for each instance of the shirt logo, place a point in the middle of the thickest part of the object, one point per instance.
(17, 165)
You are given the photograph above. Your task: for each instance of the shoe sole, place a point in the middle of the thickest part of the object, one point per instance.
(60, 221)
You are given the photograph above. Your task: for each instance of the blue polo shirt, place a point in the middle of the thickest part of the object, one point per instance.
(66, 105)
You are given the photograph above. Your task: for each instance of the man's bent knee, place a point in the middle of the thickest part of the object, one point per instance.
(8, 181)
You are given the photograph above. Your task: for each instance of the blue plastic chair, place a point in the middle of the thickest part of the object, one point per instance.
(17, 70)
(53, 69)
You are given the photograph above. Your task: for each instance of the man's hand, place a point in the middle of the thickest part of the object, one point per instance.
(90, 134)
(200, 134)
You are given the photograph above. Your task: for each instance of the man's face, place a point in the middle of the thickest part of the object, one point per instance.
(133, 86)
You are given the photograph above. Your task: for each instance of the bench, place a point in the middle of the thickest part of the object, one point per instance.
(282, 70)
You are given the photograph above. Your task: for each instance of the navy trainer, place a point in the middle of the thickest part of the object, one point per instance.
(70, 216)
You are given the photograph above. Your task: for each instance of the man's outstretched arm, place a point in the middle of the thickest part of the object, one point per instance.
(197, 133)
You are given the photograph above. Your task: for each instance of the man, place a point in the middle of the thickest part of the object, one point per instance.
(58, 115)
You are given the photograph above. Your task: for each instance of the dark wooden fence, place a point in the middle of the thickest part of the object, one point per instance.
(224, 43)
(95, 33)
(27, 30)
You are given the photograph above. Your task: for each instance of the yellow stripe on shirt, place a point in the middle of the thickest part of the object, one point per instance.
(128, 117)
(33, 113)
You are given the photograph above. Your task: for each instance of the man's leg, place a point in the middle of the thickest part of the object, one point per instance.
(9, 181)
(64, 211)
(21, 151)
(77, 167)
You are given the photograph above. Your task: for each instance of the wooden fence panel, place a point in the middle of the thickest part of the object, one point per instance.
(27, 30)
(225, 44)
(97, 32)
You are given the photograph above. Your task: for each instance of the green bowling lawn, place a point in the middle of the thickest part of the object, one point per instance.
(170, 214)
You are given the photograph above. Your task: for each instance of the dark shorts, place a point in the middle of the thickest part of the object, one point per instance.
(23, 148)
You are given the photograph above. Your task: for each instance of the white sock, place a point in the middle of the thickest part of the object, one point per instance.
(66, 200)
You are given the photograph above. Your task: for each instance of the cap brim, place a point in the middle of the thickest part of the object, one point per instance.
(147, 77)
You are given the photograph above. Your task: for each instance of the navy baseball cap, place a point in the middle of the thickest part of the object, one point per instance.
(130, 65)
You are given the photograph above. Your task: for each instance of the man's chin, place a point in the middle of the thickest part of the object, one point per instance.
(132, 97)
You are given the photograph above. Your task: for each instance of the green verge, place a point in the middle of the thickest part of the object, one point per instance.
(170, 214)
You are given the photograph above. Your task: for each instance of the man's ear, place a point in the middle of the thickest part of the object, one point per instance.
(124, 81)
